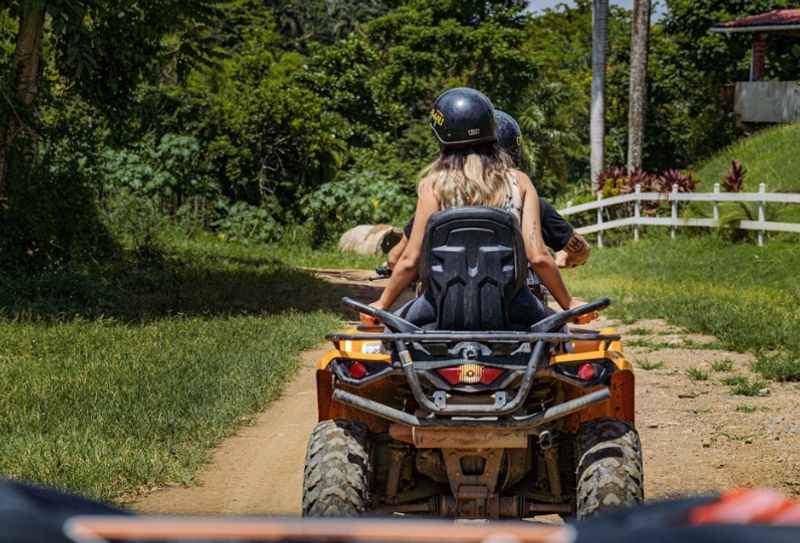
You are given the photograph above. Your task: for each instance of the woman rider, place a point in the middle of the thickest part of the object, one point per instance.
(472, 170)
(571, 248)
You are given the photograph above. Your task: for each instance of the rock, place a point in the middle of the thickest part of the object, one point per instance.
(652, 425)
(370, 239)
(748, 441)
(706, 443)
(687, 396)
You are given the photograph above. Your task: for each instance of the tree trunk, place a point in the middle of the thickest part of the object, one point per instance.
(28, 57)
(597, 122)
(637, 108)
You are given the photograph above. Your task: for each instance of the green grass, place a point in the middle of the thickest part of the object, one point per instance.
(770, 156)
(722, 366)
(742, 386)
(696, 374)
(121, 378)
(745, 296)
(780, 367)
(747, 408)
(650, 365)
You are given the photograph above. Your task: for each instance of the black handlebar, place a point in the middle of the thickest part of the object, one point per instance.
(559, 320)
(395, 323)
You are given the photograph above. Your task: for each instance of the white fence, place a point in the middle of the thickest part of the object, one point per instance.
(762, 198)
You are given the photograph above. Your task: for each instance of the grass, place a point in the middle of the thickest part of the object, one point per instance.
(745, 296)
(748, 408)
(645, 365)
(742, 386)
(696, 374)
(683, 344)
(770, 157)
(722, 366)
(118, 379)
(780, 367)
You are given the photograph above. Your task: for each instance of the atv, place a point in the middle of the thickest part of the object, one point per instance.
(473, 416)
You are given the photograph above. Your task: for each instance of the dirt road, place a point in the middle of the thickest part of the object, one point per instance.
(697, 435)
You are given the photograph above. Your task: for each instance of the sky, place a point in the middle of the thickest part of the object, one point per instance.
(541, 4)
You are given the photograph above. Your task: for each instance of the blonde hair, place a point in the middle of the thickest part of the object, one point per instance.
(474, 176)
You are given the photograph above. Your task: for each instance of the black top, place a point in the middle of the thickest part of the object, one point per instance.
(556, 230)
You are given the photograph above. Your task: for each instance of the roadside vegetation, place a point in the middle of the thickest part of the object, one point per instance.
(119, 379)
(745, 296)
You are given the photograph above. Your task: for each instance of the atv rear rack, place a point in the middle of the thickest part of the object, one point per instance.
(404, 332)
(438, 336)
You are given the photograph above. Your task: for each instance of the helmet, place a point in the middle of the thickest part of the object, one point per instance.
(509, 135)
(462, 117)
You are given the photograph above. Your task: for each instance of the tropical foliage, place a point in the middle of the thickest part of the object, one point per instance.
(249, 117)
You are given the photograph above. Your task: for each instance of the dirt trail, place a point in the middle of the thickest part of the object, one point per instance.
(697, 436)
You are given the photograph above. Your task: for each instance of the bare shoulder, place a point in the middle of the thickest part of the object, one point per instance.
(524, 182)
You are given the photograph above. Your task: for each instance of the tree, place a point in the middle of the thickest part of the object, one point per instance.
(637, 105)
(597, 123)
(28, 55)
(101, 50)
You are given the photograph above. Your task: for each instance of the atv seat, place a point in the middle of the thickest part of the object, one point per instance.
(473, 274)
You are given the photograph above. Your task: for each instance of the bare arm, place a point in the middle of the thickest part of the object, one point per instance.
(538, 256)
(393, 257)
(575, 253)
(405, 270)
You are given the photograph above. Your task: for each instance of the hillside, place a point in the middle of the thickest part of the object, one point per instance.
(770, 156)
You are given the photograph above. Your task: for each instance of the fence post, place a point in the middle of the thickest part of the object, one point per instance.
(716, 205)
(599, 221)
(637, 211)
(762, 188)
(674, 212)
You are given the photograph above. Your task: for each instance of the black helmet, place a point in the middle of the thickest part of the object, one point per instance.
(509, 135)
(462, 117)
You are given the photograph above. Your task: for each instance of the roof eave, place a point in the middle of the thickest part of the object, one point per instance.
(751, 29)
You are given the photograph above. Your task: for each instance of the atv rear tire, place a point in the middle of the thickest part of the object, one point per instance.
(610, 473)
(337, 471)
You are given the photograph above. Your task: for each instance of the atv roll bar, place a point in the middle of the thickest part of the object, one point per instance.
(525, 422)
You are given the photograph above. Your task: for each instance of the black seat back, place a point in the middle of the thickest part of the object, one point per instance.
(473, 265)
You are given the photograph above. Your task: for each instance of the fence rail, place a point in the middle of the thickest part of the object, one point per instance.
(762, 198)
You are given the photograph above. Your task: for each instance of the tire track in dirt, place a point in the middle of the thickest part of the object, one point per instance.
(694, 438)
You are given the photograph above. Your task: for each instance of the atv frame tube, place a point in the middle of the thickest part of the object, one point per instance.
(525, 422)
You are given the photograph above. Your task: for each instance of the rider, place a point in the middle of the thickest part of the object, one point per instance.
(473, 170)
(571, 248)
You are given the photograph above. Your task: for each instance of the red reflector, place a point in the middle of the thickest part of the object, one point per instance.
(490, 374)
(357, 370)
(586, 372)
(451, 375)
(470, 374)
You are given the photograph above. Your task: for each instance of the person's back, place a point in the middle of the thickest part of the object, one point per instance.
(473, 171)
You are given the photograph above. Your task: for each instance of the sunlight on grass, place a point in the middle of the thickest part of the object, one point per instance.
(116, 380)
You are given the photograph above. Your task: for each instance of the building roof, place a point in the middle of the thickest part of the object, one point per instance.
(773, 21)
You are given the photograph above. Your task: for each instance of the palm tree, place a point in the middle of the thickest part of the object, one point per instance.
(638, 82)
(597, 127)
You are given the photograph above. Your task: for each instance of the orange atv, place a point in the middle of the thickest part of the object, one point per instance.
(472, 415)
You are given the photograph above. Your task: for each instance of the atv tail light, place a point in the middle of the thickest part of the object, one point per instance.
(587, 372)
(357, 370)
(470, 374)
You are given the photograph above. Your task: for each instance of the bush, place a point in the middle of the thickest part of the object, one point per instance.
(136, 221)
(246, 223)
(167, 169)
(361, 197)
(51, 219)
